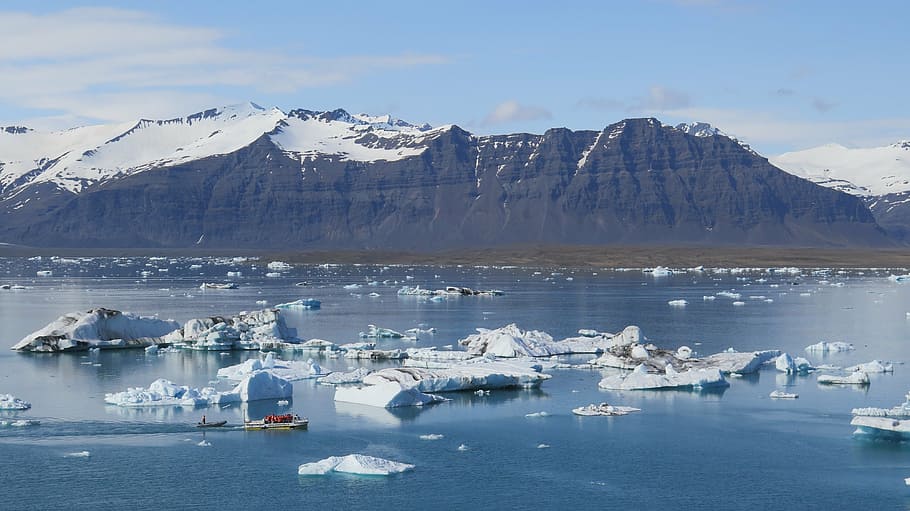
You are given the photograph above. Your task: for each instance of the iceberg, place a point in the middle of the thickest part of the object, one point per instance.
(876, 366)
(736, 362)
(901, 411)
(885, 427)
(641, 379)
(303, 303)
(374, 332)
(278, 266)
(677, 303)
(448, 291)
(256, 386)
(163, 392)
(787, 364)
(433, 358)
(385, 395)
(354, 464)
(247, 330)
(830, 347)
(10, 402)
(291, 370)
(358, 354)
(341, 378)
(604, 409)
(98, 328)
(510, 341)
(779, 394)
(481, 373)
(218, 285)
(855, 378)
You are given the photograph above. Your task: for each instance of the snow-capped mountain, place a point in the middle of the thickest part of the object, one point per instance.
(863, 171)
(880, 175)
(245, 176)
(79, 157)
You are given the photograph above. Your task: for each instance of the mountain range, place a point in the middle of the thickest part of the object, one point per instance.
(249, 177)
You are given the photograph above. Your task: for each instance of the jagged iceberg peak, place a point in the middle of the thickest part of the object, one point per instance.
(384, 122)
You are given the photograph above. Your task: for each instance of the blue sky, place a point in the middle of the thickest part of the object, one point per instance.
(780, 75)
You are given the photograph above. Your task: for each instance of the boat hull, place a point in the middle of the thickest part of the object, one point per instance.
(260, 425)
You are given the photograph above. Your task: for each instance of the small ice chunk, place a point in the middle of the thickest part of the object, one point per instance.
(204, 443)
(537, 414)
(543, 446)
(463, 447)
(78, 454)
(10, 402)
(432, 436)
(779, 394)
(677, 303)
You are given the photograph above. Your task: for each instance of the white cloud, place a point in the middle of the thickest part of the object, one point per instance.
(513, 111)
(126, 61)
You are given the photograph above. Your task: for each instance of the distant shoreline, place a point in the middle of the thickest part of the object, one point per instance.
(541, 256)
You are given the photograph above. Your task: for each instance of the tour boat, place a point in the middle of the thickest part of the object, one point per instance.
(285, 421)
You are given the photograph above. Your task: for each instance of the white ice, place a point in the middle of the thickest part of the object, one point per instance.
(876, 366)
(341, 378)
(481, 373)
(830, 347)
(855, 378)
(354, 464)
(103, 328)
(10, 402)
(385, 395)
(641, 379)
(291, 370)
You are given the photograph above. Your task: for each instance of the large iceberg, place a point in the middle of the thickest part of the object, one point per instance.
(10, 402)
(98, 328)
(511, 341)
(641, 379)
(787, 364)
(881, 426)
(354, 464)
(341, 378)
(901, 411)
(161, 392)
(290, 370)
(481, 373)
(876, 366)
(303, 303)
(385, 395)
(256, 386)
(247, 330)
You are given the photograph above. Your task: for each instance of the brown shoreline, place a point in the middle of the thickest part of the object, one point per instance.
(542, 256)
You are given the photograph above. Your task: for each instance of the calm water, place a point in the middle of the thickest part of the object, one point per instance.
(735, 449)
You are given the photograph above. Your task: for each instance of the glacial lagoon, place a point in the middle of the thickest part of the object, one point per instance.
(728, 448)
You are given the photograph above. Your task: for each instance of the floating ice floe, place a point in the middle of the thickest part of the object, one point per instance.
(448, 291)
(511, 341)
(876, 366)
(433, 358)
(779, 394)
(432, 436)
(385, 395)
(278, 266)
(604, 409)
(901, 411)
(899, 278)
(641, 379)
(341, 378)
(658, 271)
(97, 328)
(291, 370)
(677, 303)
(259, 385)
(354, 464)
(78, 454)
(10, 402)
(315, 345)
(885, 427)
(218, 285)
(830, 347)
(855, 378)
(474, 374)
(537, 414)
(246, 330)
(375, 354)
(20, 423)
(374, 332)
(787, 364)
(303, 303)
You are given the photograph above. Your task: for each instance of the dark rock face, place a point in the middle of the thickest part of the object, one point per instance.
(636, 182)
(892, 212)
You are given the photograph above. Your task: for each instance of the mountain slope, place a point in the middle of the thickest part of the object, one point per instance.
(248, 177)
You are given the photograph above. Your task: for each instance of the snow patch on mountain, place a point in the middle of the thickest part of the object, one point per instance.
(862, 171)
(703, 129)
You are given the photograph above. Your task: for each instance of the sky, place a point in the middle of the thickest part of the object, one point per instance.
(779, 75)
